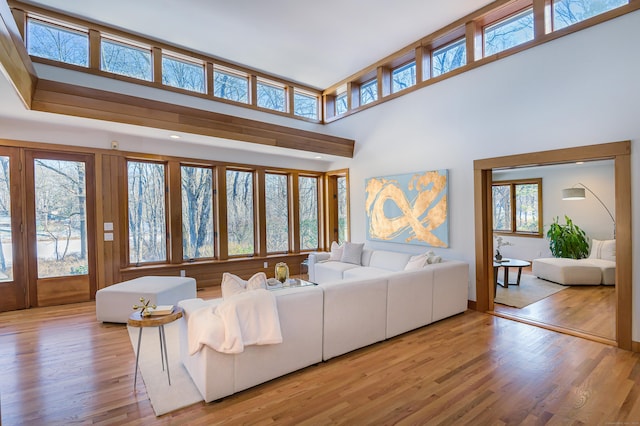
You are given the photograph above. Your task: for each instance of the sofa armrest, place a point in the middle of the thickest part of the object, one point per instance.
(316, 257)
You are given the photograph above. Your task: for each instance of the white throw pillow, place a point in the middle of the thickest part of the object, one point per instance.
(416, 262)
(233, 284)
(336, 251)
(605, 250)
(352, 253)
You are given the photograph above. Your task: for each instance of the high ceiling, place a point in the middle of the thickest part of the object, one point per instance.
(317, 43)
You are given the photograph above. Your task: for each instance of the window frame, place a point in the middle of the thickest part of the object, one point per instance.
(445, 47)
(513, 183)
(255, 212)
(186, 60)
(62, 26)
(505, 20)
(307, 94)
(369, 83)
(274, 85)
(131, 44)
(289, 200)
(214, 213)
(167, 219)
(319, 218)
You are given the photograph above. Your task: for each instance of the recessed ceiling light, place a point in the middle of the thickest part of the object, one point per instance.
(174, 136)
(579, 162)
(318, 157)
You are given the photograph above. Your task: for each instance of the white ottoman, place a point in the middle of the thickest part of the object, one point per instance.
(567, 271)
(115, 303)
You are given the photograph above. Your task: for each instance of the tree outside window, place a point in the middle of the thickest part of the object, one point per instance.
(59, 44)
(240, 213)
(147, 212)
(197, 212)
(449, 57)
(308, 189)
(277, 212)
(568, 12)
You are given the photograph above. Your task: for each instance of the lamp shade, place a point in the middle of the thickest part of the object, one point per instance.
(573, 194)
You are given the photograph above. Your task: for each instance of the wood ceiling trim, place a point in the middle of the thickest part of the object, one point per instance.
(14, 59)
(69, 99)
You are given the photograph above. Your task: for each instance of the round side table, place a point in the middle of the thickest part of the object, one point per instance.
(137, 320)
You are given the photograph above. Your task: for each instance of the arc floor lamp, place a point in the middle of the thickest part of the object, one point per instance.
(579, 194)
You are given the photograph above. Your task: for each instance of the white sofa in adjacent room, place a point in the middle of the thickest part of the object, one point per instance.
(598, 268)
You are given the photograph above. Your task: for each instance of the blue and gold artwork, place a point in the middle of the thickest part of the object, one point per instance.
(409, 208)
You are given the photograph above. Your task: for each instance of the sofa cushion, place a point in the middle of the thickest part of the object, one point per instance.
(605, 250)
(352, 253)
(331, 271)
(336, 251)
(416, 262)
(365, 272)
(607, 270)
(233, 284)
(389, 260)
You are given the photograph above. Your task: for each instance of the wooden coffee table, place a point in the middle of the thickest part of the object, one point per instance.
(137, 320)
(506, 264)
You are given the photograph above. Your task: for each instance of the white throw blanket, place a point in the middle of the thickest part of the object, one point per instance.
(249, 318)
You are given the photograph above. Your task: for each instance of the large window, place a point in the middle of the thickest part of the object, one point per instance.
(368, 92)
(277, 215)
(271, 96)
(517, 206)
(50, 41)
(403, 77)
(147, 212)
(183, 74)
(230, 85)
(508, 33)
(240, 213)
(308, 188)
(126, 59)
(448, 58)
(305, 105)
(197, 212)
(568, 12)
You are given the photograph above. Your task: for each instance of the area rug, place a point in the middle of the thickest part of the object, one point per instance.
(164, 398)
(530, 290)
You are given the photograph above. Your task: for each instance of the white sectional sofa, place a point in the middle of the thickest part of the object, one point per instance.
(217, 374)
(363, 306)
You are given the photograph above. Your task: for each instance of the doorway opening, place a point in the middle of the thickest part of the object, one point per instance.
(619, 152)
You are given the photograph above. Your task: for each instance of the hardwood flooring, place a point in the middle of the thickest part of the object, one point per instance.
(59, 366)
(586, 309)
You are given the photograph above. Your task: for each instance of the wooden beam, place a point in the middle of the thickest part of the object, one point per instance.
(14, 59)
(63, 98)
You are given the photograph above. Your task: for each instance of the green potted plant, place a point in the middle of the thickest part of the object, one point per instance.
(567, 240)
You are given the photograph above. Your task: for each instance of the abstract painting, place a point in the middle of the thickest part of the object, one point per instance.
(409, 208)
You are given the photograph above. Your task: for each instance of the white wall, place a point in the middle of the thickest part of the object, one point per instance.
(581, 89)
(588, 214)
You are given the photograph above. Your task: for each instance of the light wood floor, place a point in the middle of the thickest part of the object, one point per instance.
(59, 366)
(586, 309)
